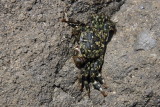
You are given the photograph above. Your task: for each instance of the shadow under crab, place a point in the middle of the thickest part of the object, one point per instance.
(92, 39)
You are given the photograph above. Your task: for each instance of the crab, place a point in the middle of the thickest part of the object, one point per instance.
(89, 53)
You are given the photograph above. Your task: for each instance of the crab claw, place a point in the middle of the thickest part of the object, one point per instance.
(79, 61)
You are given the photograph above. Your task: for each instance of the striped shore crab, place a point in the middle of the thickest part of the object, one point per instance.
(89, 53)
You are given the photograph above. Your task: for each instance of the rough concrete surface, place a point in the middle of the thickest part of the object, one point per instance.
(36, 68)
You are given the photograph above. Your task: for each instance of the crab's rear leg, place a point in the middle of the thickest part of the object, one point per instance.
(81, 82)
(84, 81)
(97, 81)
(97, 86)
(98, 76)
(100, 79)
(95, 75)
(86, 84)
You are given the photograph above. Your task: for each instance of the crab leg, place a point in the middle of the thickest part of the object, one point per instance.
(100, 80)
(73, 23)
(97, 86)
(85, 82)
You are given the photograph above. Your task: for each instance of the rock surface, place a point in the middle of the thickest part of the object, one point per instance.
(36, 68)
(145, 41)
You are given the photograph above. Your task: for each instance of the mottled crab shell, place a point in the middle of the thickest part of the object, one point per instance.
(93, 37)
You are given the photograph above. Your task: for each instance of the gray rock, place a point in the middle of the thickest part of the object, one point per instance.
(145, 41)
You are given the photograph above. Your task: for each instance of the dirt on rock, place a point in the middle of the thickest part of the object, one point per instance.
(36, 67)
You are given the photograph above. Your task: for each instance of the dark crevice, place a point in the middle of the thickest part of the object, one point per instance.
(58, 86)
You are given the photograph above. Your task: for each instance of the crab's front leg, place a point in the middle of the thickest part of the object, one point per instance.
(77, 28)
